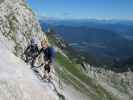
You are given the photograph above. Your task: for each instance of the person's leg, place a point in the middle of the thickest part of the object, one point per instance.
(26, 58)
(49, 72)
(33, 62)
(45, 72)
(34, 57)
(48, 68)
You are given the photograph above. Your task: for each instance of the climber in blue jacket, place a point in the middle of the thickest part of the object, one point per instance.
(49, 57)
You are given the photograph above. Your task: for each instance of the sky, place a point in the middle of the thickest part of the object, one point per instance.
(83, 9)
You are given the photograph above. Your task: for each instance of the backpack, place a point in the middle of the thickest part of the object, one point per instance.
(32, 50)
(49, 53)
(52, 51)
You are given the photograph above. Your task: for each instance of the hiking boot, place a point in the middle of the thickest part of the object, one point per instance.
(49, 79)
(44, 77)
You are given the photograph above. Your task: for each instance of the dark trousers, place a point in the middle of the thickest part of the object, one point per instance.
(47, 67)
(31, 59)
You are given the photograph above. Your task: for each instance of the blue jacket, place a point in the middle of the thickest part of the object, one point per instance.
(49, 54)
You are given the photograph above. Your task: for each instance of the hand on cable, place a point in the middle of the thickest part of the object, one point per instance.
(47, 62)
(42, 64)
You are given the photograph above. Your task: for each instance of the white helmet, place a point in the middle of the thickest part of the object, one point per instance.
(34, 40)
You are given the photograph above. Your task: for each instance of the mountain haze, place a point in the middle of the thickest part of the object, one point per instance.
(109, 41)
(70, 80)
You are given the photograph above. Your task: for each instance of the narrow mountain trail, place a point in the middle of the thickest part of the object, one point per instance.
(18, 82)
(50, 83)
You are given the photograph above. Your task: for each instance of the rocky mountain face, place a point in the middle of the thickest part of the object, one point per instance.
(114, 85)
(18, 82)
(18, 23)
(119, 84)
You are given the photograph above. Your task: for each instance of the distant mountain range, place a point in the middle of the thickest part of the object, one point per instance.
(124, 27)
(108, 41)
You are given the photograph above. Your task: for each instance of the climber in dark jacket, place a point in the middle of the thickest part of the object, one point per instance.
(49, 56)
(32, 52)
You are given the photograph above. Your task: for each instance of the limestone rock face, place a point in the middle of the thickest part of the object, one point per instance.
(17, 81)
(18, 23)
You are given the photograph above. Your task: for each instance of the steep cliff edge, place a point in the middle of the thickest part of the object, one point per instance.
(97, 83)
(18, 23)
(17, 80)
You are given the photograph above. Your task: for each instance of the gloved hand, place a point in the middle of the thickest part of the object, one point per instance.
(46, 62)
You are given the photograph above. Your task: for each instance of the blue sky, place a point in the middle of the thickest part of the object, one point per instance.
(83, 9)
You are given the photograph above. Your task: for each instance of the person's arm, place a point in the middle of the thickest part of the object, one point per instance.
(50, 60)
(27, 49)
(39, 51)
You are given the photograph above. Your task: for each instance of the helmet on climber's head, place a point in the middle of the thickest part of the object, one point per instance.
(34, 41)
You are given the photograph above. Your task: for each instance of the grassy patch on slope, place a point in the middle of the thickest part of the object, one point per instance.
(70, 72)
(80, 81)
